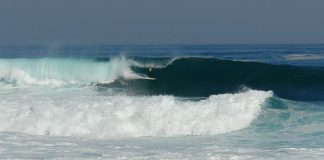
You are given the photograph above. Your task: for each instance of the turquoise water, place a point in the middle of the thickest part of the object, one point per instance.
(206, 102)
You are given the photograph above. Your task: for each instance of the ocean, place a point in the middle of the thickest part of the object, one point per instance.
(162, 101)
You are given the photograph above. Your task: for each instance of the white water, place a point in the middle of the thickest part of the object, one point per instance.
(81, 112)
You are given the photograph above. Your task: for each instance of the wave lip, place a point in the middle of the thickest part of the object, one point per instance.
(127, 116)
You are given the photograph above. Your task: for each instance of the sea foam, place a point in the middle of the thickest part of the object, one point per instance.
(85, 114)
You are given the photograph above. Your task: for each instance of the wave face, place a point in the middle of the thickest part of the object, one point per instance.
(83, 113)
(206, 76)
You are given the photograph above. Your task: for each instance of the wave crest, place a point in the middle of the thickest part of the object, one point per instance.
(57, 71)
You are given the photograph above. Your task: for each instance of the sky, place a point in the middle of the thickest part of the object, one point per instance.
(161, 21)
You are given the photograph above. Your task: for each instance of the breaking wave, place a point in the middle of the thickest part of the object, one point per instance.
(59, 71)
(75, 113)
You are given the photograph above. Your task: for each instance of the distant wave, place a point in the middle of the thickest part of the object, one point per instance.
(301, 57)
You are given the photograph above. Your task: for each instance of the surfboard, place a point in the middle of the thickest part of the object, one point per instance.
(149, 78)
(144, 76)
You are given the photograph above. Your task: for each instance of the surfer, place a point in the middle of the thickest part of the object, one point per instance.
(150, 69)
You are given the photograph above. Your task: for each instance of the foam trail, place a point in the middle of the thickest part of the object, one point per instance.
(89, 115)
(57, 71)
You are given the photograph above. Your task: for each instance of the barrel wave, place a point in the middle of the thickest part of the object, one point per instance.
(184, 77)
(206, 76)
